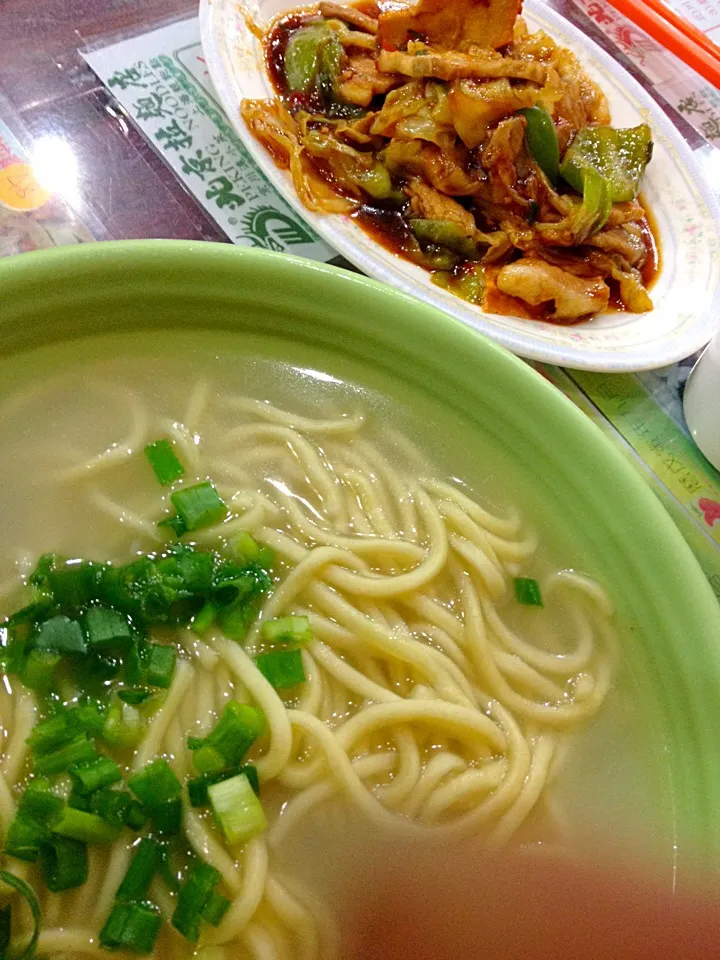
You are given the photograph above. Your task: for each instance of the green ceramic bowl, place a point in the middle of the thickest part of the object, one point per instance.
(489, 407)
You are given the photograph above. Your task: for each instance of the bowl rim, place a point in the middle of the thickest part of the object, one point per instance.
(683, 604)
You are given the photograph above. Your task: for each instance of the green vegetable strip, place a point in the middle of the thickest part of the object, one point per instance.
(143, 867)
(155, 784)
(134, 695)
(105, 627)
(26, 837)
(198, 786)
(72, 585)
(167, 817)
(286, 630)
(88, 827)
(131, 926)
(542, 140)
(111, 805)
(527, 592)
(192, 900)
(237, 810)
(248, 550)
(95, 774)
(80, 750)
(227, 743)
(160, 665)
(38, 671)
(164, 462)
(174, 523)
(28, 894)
(203, 620)
(135, 816)
(216, 908)
(199, 506)
(61, 635)
(281, 668)
(64, 863)
(39, 802)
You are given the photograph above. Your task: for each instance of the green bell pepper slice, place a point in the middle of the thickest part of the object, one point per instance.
(542, 141)
(444, 233)
(618, 156)
(303, 56)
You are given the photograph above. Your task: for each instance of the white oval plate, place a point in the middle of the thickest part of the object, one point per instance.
(686, 292)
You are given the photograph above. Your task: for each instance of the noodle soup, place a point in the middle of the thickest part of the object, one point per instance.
(241, 594)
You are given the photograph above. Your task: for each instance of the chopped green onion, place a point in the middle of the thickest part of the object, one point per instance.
(281, 668)
(28, 894)
(131, 926)
(134, 695)
(26, 837)
(89, 717)
(208, 760)
(165, 464)
(135, 816)
(64, 863)
(204, 619)
(234, 621)
(216, 908)
(55, 732)
(174, 523)
(38, 671)
(124, 726)
(167, 817)
(111, 805)
(88, 827)
(143, 867)
(160, 665)
(199, 506)
(38, 801)
(74, 584)
(286, 630)
(192, 900)
(95, 774)
(198, 786)
(80, 750)
(246, 549)
(105, 627)
(79, 801)
(155, 784)
(527, 592)
(60, 634)
(237, 810)
(227, 743)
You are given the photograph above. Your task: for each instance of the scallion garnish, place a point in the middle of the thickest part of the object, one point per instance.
(216, 908)
(28, 894)
(26, 837)
(107, 628)
(527, 592)
(199, 506)
(88, 827)
(174, 523)
(197, 787)
(134, 695)
(155, 784)
(144, 865)
(38, 801)
(131, 926)
(38, 670)
(167, 817)
(64, 863)
(79, 750)
(111, 805)
(193, 899)
(164, 462)
(248, 550)
(227, 743)
(160, 665)
(286, 630)
(236, 809)
(204, 619)
(61, 635)
(281, 668)
(95, 774)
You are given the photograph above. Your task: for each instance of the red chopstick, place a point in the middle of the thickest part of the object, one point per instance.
(675, 34)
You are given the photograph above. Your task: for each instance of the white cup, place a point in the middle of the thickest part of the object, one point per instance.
(702, 402)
